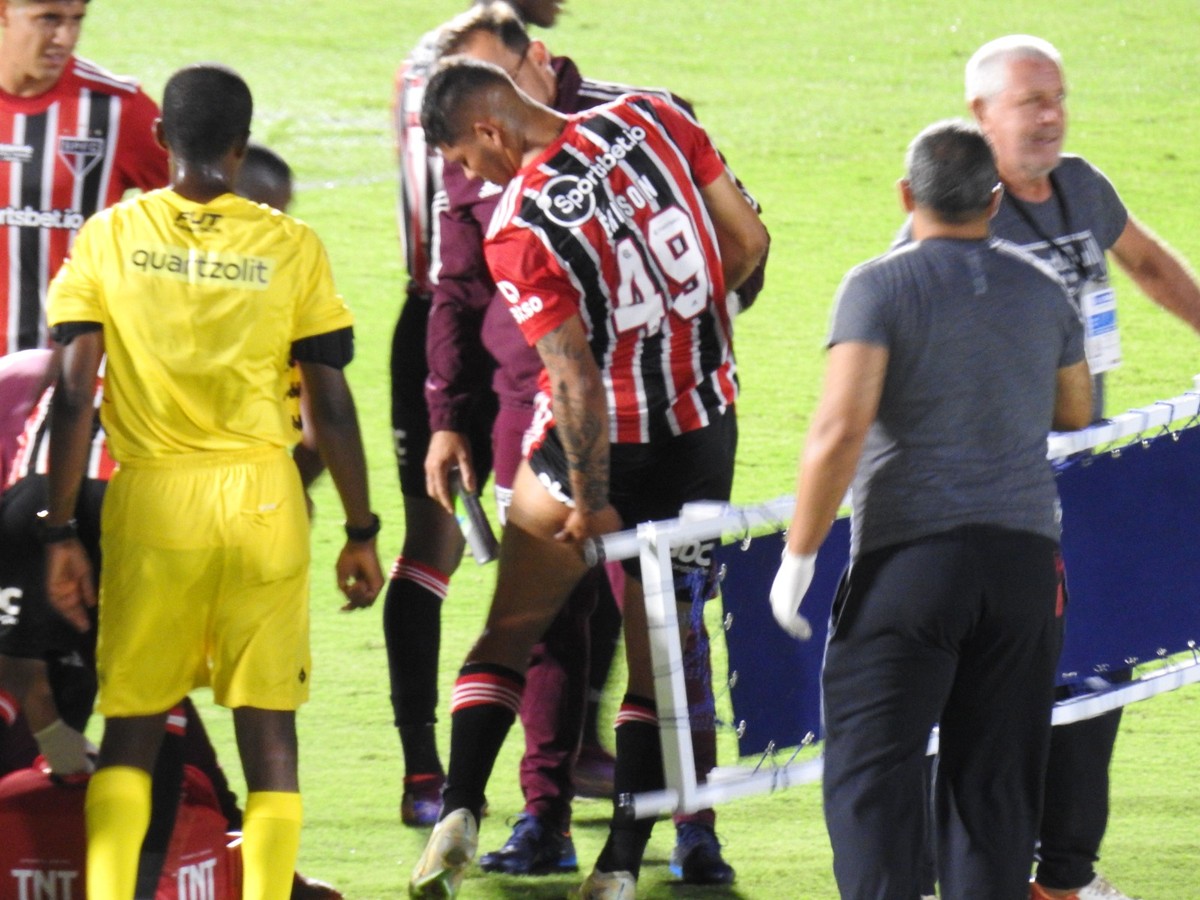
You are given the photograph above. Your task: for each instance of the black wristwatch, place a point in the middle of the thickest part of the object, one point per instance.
(55, 534)
(366, 533)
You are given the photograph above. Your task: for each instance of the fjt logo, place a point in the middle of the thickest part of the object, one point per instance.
(47, 884)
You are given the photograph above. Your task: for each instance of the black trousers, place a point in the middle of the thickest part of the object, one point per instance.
(1076, 804)
(961, 629)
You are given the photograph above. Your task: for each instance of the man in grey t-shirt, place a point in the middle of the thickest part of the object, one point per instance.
(950, 359)
(1065, 211)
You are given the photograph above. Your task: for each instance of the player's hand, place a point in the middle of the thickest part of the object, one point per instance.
(787, 592)
(69, 585)
(581, 525)
(359, 575)
(448, 450)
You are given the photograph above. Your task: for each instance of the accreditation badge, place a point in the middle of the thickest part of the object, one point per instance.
(1102, 341)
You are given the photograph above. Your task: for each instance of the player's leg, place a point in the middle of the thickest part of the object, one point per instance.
(118, 803)
(267, 745)
(551, 705)
(261, 664)
(593, 776)
(149, 655)
(995, 728)
(420, 578)
(534, 576)
(691, 467)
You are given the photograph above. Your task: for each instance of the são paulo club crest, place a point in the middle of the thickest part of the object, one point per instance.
(80, 153)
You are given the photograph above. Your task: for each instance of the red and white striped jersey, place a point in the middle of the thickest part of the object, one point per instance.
(64, 154)
(33, 446)
(420, 168)
(609, 223)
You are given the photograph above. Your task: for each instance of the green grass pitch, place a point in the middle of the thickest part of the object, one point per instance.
(813, 103)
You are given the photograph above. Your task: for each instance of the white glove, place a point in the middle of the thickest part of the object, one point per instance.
(787, 592)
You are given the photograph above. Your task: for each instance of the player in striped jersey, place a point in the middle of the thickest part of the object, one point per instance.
(613, 245)
(73, 139)
(466, 305)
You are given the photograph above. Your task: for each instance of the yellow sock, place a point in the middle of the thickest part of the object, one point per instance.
(270, 844)
(118, 813)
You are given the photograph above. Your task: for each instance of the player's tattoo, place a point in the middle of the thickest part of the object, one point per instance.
(580, 417)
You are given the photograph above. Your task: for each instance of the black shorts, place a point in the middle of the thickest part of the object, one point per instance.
(29, 627)
(410, 413)
(649, 482)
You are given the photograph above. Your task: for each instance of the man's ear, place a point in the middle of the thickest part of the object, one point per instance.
(538, 53)
(979, 110)
(489, 132)
(906, 196)
(159, 137)
(994, 203)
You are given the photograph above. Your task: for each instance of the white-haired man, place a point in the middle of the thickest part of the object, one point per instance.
(1063, 209)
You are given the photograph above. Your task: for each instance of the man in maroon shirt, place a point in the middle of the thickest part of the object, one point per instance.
(466, 309)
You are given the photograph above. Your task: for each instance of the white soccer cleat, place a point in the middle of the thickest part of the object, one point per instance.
(607, 886)
(1100, 888)
(451, 847)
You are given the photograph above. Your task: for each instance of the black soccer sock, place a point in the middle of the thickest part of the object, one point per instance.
(483, 708)
(603, 635)
(412, 630)
(639, 769)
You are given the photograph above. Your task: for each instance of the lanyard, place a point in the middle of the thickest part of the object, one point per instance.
(1066, 249)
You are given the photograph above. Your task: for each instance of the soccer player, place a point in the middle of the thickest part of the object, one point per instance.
(73, 139)
(493, 34)
(433, 541)
(950, 358)
(621, 287)
(200, 299)
(1063, 209)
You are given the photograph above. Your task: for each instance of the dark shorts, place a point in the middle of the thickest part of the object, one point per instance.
(410, 413)
(29, 627)
(648, 482)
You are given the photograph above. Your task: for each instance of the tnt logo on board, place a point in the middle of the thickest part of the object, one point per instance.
(198, 881)
(47, 884)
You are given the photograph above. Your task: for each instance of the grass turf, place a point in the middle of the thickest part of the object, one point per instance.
(814, 105)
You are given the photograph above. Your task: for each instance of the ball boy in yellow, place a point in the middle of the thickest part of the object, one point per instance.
(200, 300)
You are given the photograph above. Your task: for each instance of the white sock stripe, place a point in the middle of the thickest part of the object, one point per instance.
(627, 716)
(8, 708)
(476, 693)
(421, 577)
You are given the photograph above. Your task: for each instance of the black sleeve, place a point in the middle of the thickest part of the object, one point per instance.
(65, 332)
(333, 348)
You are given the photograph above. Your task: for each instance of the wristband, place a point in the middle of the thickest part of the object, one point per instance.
(366, 533)
(56, 534)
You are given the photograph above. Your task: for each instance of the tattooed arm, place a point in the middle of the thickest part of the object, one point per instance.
(581, 418)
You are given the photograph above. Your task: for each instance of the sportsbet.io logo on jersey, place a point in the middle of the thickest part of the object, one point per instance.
(69, 219)
(570, 200)
(251, 273)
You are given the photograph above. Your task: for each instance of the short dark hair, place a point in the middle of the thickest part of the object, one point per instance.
(951, 170)
(454, 83)
(496, 18)
(262, 159)
(206, 112)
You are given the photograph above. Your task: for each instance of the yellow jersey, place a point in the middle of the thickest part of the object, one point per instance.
(200, 304)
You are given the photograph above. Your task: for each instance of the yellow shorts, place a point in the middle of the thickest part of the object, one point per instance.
(204, 581)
